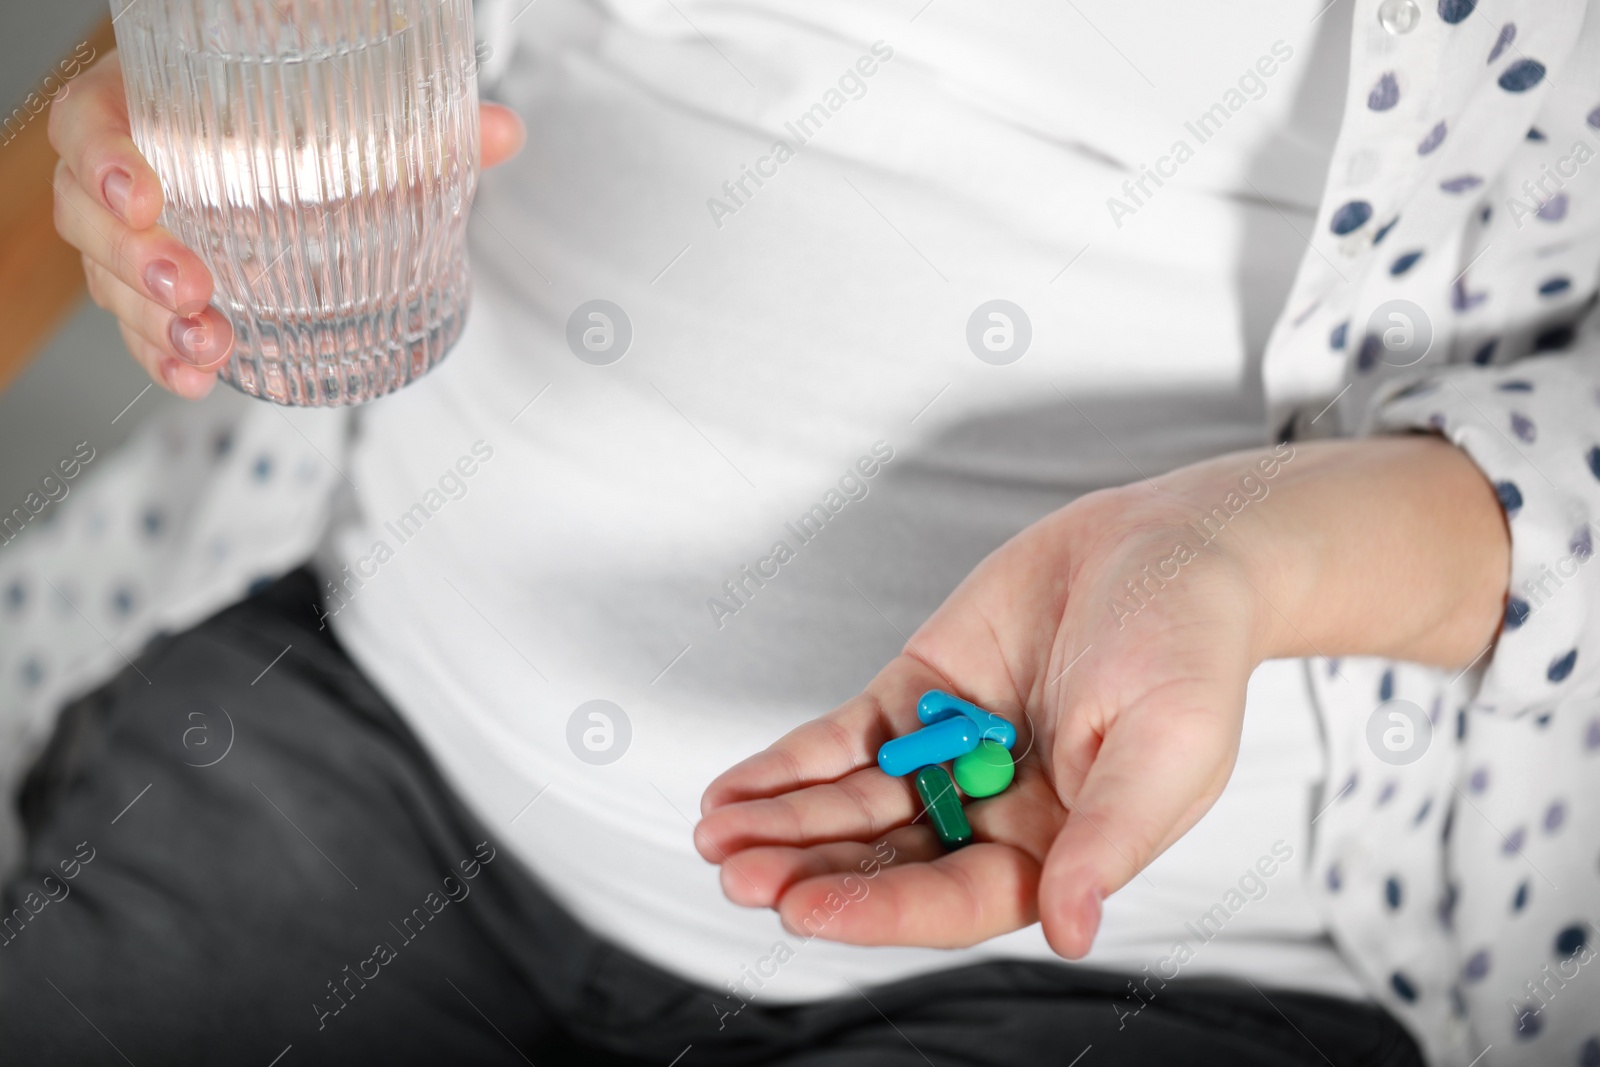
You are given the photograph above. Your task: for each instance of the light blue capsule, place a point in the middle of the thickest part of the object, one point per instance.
(938, 743)
(936, 706)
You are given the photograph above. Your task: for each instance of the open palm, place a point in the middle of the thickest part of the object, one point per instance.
(1128, 728)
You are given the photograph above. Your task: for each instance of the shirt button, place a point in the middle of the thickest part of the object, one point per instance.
(1399, 16)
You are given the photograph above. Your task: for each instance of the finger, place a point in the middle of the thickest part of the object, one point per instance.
(758, 877)
(758, 870)
(167, 372)
(150, 261)
(826, 749)
(859, 807)
(204, 340)
(501, 134)
(1158, 769)
(967, 896)
(819, 751)
(867, 803)
(1027, 816)
(88, 128)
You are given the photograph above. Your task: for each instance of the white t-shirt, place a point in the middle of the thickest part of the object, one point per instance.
(557, 530)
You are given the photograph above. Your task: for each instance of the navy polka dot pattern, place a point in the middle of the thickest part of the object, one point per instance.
(1385, 94)
(1461, 183)
(1434, 139)
(1508, 33)
(1370, 352)
(1453, 11)
(1555, 339)
(1561, 666)
(1553, 209)
(1351, 217)
(1570, 941)
(1510, 497)
(1404, 263)
(1522, 75)
(1526, 835)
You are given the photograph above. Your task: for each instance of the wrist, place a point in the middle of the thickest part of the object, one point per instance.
(1388, 546)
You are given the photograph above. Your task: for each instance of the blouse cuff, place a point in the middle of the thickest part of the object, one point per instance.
(1533, 428)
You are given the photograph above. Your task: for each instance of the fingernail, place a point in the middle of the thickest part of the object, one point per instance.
(161, 278)
(185, 381)
(115, 188)
(194, 338)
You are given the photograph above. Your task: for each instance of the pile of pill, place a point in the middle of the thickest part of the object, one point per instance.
(977, 741)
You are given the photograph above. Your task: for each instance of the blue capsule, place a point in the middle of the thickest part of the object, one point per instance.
(938, 743)
(936, 706)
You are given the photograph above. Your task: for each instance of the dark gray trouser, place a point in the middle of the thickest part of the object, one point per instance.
(292, 878)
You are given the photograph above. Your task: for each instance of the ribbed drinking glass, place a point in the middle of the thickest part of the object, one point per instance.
(320, 156)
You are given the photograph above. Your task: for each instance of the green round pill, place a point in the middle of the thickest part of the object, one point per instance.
(986, 770)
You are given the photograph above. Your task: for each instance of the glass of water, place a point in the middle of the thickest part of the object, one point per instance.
(320, 156)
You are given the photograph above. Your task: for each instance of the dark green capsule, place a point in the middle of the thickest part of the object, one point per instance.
(943, 804)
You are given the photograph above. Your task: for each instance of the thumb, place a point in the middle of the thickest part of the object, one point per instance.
(501, 134)
(1158, 770)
